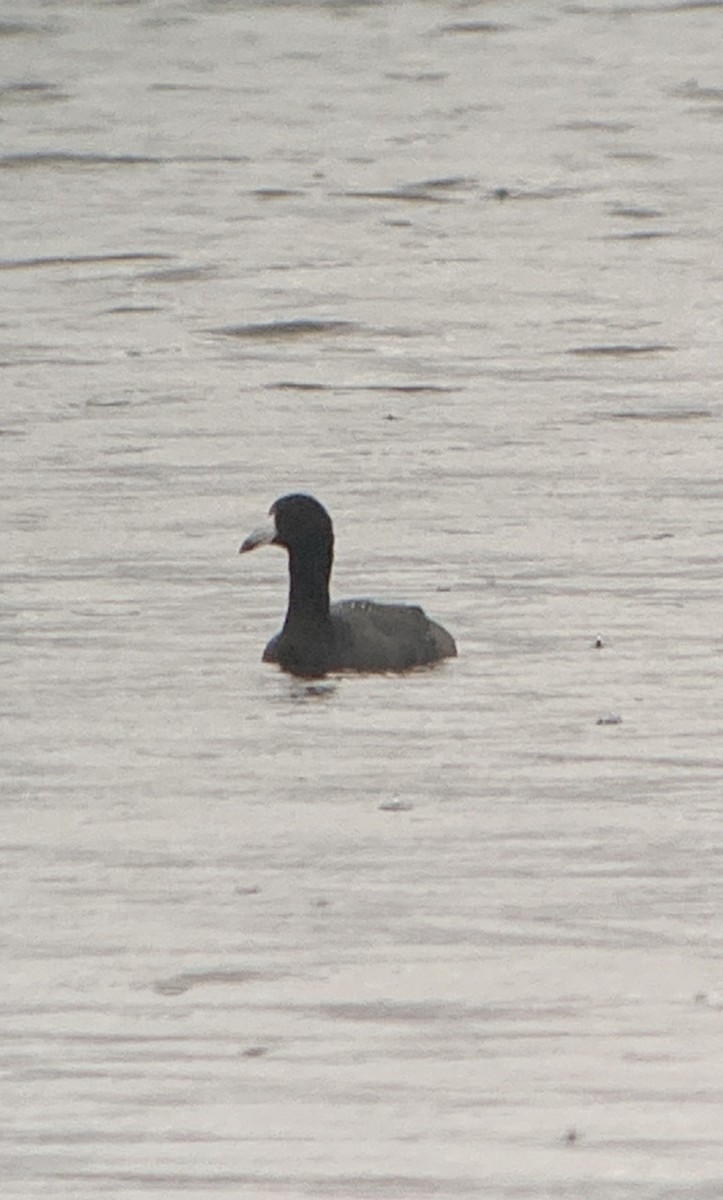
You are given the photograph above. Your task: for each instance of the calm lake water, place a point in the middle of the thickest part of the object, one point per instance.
(456, 269)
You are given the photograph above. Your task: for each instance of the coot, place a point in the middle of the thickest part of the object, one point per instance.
(351, 635)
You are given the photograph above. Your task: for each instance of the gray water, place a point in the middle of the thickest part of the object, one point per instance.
(456, 269)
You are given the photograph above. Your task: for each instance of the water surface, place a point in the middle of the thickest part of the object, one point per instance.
(454, 268)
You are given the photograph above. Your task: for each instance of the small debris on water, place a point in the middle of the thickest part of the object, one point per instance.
(599, 643)
(255, 1051)
(571, 1137)
(252, 890)
(396, 805)
(708, 999)
(609, 719)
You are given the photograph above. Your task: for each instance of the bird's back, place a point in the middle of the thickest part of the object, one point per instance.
(387, 637)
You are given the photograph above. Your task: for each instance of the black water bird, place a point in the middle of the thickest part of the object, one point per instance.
(350, 635)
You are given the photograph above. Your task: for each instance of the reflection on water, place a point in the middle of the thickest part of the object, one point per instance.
(300, 692)
(454, 932)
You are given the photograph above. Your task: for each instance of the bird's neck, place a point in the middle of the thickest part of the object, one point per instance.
(309, 586)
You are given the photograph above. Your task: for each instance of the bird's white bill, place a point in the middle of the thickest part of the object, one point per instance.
(262, 536)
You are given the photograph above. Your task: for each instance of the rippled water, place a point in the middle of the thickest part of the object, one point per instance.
(456, 269)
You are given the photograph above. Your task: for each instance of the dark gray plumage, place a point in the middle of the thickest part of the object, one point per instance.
(351, 635)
